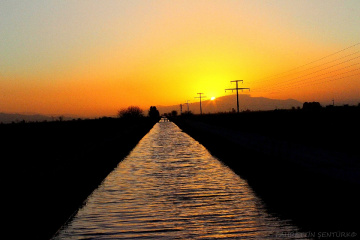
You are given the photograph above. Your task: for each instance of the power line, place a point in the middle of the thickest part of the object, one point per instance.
(306, 78)
(316, 81)
(297, 79)
(319, 81)
(292, 79)
(317, 60)
(317, 67)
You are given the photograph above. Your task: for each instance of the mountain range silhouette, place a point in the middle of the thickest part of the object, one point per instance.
(228, 103)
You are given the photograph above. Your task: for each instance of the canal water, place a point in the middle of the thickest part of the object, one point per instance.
(171, 187)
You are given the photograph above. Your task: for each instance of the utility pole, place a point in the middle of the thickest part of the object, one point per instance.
(187, 102)
(237, 91)
(200, 101)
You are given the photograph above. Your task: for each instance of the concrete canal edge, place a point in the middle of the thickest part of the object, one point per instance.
(316, 193)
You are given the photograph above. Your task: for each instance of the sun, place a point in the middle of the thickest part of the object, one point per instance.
(212, 98)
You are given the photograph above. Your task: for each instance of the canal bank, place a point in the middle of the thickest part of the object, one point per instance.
(52, 167)
(314, 187)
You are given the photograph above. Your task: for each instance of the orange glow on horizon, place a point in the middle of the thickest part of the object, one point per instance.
(162, 53)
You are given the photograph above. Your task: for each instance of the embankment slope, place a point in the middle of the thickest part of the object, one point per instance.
(50, 168)
(302, 170)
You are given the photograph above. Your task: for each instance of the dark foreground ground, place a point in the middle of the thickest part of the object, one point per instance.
(313, 195)
(48, 169)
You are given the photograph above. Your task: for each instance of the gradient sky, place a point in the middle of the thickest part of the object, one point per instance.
(91, 58)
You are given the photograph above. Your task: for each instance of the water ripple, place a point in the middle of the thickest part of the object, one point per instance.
(170, 187)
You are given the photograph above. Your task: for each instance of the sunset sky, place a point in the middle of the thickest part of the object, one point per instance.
(91, 58)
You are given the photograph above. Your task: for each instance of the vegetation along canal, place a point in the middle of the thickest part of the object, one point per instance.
(170, 187)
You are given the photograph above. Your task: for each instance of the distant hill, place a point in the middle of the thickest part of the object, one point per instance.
(227, 103)
(17, 117)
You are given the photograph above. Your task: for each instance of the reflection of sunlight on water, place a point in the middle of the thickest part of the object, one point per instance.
(171, 187)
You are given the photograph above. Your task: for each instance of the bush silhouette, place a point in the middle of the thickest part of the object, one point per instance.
(131, 112)
(312, 106)
(173, 113)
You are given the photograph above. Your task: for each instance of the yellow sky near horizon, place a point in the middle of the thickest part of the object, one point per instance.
(91, 58)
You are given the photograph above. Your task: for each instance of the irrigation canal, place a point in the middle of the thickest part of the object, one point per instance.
(171, 187)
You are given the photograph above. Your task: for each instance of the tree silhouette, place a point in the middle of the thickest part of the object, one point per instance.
(131, 112)
(154, 113)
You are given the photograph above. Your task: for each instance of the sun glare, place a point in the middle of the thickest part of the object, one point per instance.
(212, 98)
